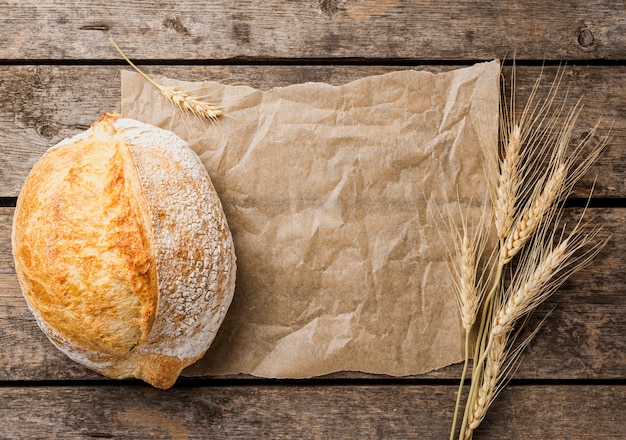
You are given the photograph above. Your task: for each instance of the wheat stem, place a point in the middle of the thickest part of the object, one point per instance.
(181, 99)
(481, 345)
(460, 390)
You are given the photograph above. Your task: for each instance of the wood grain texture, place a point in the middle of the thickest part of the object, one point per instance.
(582, 339)
(300, 411)
(58, 73)
(41, 105)
(372, 29)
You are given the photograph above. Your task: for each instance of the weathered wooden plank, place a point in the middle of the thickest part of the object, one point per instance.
(390, 29)
(573, 412)
(582, 339)
(40, 105)
(289, 411)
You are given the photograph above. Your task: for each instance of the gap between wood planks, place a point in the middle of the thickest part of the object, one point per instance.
(599, 202)
(249, 381)
(350, 61)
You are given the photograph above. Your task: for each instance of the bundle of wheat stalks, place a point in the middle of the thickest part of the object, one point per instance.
(530, 175)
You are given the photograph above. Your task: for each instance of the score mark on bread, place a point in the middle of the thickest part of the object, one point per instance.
(123, 251)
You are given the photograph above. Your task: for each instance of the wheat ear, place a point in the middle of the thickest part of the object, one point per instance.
(501, 363)
(534, 215)
(508, 184)
(467, 291)
(488, 389)
(559, 177)
(465, 244)
(466, 272)
(180, 98)
(532, 292)
(544, 268)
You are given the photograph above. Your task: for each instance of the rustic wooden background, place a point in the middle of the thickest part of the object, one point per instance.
(58, 73)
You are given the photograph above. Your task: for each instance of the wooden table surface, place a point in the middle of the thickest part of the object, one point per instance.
(58, 73)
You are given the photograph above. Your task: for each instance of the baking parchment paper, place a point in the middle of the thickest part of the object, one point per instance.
(329, 192)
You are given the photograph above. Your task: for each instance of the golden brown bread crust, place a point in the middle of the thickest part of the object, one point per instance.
(123, 251)
(84, 247)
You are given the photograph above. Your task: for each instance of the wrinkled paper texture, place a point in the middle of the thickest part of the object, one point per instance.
(329, 192)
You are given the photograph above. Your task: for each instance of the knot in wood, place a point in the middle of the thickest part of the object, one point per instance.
(585, 37)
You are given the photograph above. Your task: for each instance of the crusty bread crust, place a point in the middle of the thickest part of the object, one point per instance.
(123, 251)
(195, 253)
(84, 249)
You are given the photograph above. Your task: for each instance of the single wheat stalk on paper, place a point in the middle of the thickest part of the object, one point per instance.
(530, 173)
(180, 98)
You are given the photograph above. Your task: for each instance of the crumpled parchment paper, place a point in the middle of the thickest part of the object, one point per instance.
(329, 192)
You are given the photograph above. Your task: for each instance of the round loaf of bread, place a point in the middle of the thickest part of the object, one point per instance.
(123, 252)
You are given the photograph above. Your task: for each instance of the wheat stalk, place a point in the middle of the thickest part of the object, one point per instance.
(180, 98)
(468, 297)
(469, 290)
